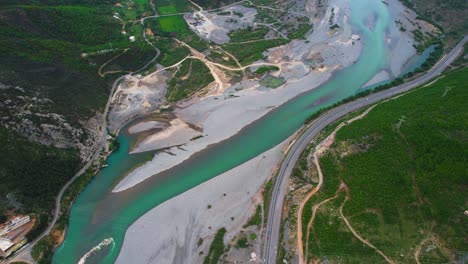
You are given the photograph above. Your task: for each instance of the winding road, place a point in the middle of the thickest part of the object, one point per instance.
(25, 252)
(101, 143)
(281, 183)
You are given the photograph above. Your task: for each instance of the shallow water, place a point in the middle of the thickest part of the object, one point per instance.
(99, 214)
(418, 60)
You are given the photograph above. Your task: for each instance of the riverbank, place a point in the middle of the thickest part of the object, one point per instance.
(220, 117)
(43, 249)
(223, 116)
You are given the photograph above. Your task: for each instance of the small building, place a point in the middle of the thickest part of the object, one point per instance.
(132, 38)
(118, 4)
(19, 221)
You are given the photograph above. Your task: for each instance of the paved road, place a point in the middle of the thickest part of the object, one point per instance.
(281, 183)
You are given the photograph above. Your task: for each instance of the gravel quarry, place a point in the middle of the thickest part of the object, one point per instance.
(216, 26)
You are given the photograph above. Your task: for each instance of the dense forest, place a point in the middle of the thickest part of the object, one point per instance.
(31, 174)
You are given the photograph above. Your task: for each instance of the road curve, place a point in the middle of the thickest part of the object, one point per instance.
(280, 187)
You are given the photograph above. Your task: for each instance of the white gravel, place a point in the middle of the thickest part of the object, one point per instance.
(222, 117)
(145, 126)
(379, 77)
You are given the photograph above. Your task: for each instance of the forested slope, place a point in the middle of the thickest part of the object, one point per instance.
(398, 176)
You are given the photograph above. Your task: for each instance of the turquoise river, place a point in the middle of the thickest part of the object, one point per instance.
(100, 217)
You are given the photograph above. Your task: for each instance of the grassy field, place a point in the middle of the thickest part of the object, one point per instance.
(216, 248)
(405, 184)
(165, 7)
(167, 10)
(170, 27)
(172, 24)
(256, 219)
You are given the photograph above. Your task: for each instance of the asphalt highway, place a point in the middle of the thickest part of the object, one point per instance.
(281, 183)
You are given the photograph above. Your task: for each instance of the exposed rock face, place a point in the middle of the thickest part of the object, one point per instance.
(27, 115)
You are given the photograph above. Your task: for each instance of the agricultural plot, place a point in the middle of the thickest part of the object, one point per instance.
(171, 24)
(167, 10)
(165, 7)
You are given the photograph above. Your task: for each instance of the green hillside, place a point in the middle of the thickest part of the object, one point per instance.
(406, 185)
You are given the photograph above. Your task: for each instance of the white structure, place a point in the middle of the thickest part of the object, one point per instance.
(355, 37)
(18, 222)
(5, 244)
(253, 256)
(132, 38)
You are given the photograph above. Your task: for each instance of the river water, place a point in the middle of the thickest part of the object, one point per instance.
(99, 218)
